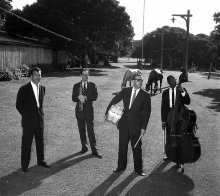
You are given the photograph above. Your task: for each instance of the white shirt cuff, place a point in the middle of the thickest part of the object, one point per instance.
(183, 94)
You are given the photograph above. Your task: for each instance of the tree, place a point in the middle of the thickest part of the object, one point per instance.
(6, 4)
(215, 37)
(96, 24)
(200, 48)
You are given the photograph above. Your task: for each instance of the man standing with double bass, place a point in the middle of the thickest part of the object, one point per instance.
(168, 102)
(133, 123)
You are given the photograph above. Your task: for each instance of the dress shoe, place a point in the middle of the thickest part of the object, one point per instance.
(97, 154)
(25, 170)
(118, 170)
(83, 151)
(44, 164)
(140, 173)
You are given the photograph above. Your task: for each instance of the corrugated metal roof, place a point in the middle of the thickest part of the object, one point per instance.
(7, 39)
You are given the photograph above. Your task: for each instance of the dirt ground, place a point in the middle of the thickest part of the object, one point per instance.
(75, 174)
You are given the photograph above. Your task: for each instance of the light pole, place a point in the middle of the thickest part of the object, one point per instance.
(142, 50)
(161, 54)
(186, 17)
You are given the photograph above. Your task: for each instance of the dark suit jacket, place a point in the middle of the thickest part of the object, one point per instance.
(137, 117)
(26, 105)
(165, 103)
(92, 95)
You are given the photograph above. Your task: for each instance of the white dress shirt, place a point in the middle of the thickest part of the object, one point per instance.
(132, 92)
(85, 84)
(36, 92)
(170, 96)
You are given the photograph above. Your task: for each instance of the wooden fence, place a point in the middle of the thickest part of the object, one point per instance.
(14, 55)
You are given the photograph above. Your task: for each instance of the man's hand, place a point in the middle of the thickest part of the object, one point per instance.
(143, 131)
(163, 126)
(82, 98)
(180, 88)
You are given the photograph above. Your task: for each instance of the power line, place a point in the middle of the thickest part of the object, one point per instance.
(38, 26)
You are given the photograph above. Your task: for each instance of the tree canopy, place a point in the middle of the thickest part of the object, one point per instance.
(174, 45)
(96, 24)
(6, 4)
(215, 35)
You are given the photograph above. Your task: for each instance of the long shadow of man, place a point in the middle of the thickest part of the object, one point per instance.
(17, 182)
(103, 187)
(167, 183)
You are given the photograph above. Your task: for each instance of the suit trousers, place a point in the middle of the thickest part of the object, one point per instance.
(124, 137)
(168, 132)
(27, 139)
(85, 120)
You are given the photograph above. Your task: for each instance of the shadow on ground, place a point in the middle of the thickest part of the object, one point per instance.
(214, 75)
(104, 186)
(169, 183)
(143, 67)
(166, 183)
(214, 94)
(108, 67)
(18, 182)
(76, 72)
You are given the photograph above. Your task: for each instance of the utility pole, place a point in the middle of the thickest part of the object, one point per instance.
(161, 57)
(186, 17)
(142, 51)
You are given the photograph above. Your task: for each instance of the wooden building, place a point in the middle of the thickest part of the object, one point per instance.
(24, 51)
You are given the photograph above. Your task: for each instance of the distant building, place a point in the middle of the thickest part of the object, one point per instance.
(15, 51)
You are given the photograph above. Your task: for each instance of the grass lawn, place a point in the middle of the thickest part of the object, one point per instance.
(75, 174)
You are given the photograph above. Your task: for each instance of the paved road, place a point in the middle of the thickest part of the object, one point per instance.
(73, 174)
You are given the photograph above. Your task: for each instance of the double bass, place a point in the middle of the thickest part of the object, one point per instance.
(184, 146)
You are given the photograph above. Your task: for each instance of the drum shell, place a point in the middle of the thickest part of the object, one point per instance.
(114, 114)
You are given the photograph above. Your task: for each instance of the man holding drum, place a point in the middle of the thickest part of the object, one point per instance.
(133, 123)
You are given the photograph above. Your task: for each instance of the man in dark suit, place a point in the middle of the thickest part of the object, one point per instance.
(29, 104)
(84, 93)
(168, 102)
(133, 123)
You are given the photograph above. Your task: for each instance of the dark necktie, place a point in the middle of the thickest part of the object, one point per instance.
(84, 89)
(173, 98)
(133, 97)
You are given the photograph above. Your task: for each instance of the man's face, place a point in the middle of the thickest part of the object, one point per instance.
(36, 77)
(85, 76)
(172, 82)
(138, 81)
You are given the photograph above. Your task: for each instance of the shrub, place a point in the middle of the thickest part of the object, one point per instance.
(6, 75)
(10, 73)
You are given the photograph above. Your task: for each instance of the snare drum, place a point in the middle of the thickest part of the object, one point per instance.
(114, 114)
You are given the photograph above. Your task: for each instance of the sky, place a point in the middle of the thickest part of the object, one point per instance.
(157, 13)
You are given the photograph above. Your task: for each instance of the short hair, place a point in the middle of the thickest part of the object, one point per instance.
(84, 69)
(169, 77)
(136, 74)
(34, 69)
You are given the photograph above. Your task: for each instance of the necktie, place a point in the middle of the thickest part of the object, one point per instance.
(133, 98)
(172, 97)
(84, 89)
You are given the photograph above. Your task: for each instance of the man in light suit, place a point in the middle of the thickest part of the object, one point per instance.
(29, 104)
(133, 123)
